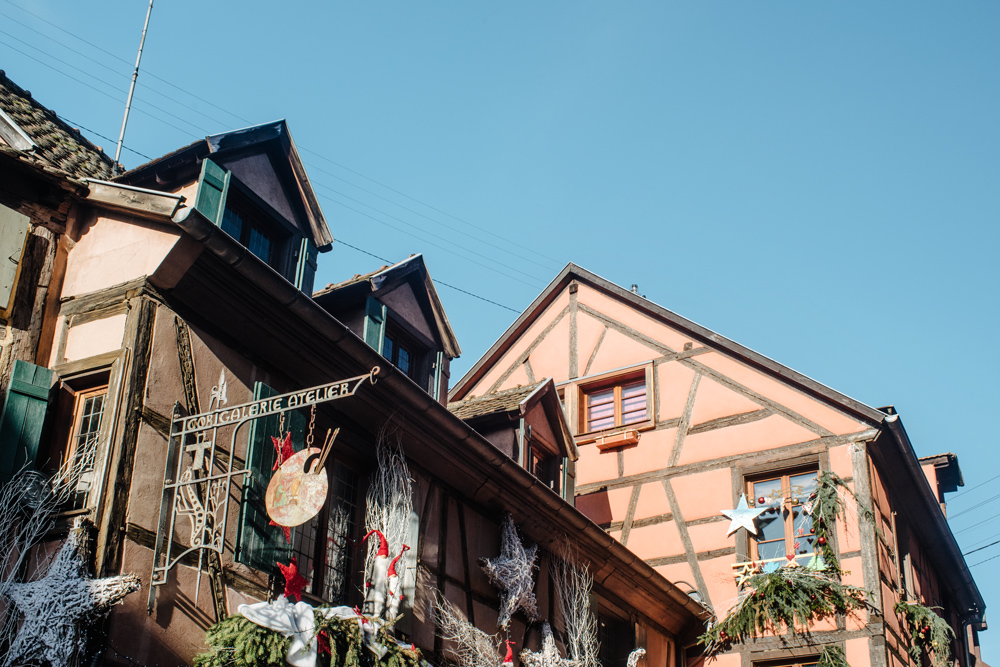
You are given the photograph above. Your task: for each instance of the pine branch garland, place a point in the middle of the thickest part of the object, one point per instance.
(239, 642)
(790, 597)
(832, 656)
(928, 632)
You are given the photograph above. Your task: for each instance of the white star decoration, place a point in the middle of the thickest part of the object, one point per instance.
(56, 605)
(548, 656)
(743, 516)
(512, 572)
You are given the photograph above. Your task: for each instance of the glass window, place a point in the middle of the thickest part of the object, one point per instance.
(82, 450)
(785, 528)
(615, 405)
(398, 353)
(253, 235)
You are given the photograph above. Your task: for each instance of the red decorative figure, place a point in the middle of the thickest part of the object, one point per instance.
(323, 644)
(509, 658)
(294, 582)
(283, 448)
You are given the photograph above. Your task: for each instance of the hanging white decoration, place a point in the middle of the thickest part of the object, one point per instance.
(513, 573)
(472, 646)
(572, 582)
(55, 606)
(633, 657)
(743, 516)
(389, 504)
(549, 655)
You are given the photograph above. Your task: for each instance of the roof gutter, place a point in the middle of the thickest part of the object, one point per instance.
(939, 524)
(487, 463)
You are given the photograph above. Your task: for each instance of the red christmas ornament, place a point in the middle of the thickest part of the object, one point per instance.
(294, 582)
(812, 597)
(812, 530)
(761, 500)
(283, 448)
(722, 635)
(821, 540)
(926, 629)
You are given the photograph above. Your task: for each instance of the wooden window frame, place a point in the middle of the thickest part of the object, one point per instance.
(784, 474)
(579, 389)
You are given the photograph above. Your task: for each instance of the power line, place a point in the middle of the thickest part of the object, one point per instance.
(987, 560)
(981, 548)
(976, 506)
(978, 523)
(436, 282)
(437, 236)
(440, 247)
(67, 120)
(186, 132)
(959, 495)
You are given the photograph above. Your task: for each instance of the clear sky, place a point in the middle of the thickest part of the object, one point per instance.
(816, 180)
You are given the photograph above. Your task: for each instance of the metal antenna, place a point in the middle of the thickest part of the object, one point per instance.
(131, 88)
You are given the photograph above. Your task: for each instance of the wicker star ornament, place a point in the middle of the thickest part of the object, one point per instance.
(513, 573)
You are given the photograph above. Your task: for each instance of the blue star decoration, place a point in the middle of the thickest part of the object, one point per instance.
(743, 516)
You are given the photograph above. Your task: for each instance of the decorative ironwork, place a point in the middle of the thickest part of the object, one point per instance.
(200, 489)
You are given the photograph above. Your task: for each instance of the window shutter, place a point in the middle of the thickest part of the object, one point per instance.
(305, 272)
(438, 370)
(23, 417)
(213, 186)
(14, 229)
(258, 544)
(374, 324)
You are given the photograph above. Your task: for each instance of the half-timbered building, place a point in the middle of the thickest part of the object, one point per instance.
(675, 423)
(165, 333)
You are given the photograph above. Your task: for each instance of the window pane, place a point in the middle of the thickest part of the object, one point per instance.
(388, 346)
(232, 224)
(259, 244)
(634, 402)
(601, 409)
(85, 447)
(801, 486)
(769, 550)
(404, 361)
(340, 527)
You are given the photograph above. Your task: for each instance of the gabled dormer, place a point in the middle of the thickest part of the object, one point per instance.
(397, 311)
(252, 184)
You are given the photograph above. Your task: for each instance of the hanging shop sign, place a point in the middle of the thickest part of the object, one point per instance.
(201, 465)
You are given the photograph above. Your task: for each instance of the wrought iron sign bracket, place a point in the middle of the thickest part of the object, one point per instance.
(201, 489)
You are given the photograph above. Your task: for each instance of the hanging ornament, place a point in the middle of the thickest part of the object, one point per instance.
(294, 582)
(548, 656)
(508, 659)
(743, 516)
(513, 573)
(57, 605)
(633, 657)
(295, 493)
(283, 448)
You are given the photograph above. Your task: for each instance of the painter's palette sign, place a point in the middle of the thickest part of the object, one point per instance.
(296, 495)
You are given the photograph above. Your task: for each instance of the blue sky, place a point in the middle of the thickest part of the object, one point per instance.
(815, 180)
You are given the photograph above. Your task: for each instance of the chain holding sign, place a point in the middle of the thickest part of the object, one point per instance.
(199, 487)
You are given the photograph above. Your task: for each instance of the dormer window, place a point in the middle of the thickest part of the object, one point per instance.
(252, 236)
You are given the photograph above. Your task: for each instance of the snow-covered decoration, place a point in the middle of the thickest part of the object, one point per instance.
(572, 583)
(633, 657)
(394, 587)
(549, 655)
(29, 502)
(513, 573)
(57, 605)
(389, 504)
(472, 646)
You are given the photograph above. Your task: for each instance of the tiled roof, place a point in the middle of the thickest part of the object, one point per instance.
(358, 278)
(499, 401)
(56, 143)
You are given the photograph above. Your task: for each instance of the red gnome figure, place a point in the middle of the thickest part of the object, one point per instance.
(395, 587)
(375, 595)
(508, 660)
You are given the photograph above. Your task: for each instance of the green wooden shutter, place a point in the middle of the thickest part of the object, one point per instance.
(213, 186)
(257, 544)
(305, 272)
(23, 417)
(438, 371)
(374, 323)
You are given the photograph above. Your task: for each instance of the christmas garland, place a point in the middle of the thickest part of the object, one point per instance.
(928, 631)
(239, 642)
(832, 656)
(792, 596)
